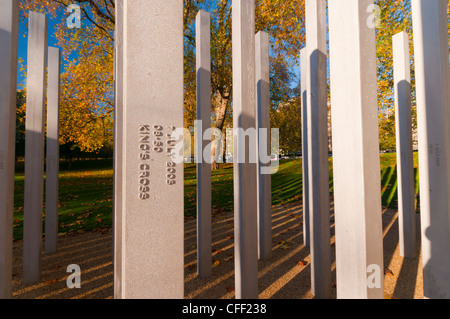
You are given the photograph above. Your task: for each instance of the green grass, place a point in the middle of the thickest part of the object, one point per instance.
(389, 180)
(85, 197)
(86, 191)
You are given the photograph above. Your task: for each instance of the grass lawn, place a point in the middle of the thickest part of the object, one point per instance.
(86, 191)
(85, 197)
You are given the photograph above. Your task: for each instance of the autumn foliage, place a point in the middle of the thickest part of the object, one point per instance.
(87, 101)
(87, 90)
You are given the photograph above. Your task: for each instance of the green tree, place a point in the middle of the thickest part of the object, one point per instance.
(287, 117)
(284, 23)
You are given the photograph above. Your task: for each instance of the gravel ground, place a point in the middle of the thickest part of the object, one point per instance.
(285, 276)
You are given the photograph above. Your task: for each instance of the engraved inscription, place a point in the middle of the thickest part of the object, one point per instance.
(437, 150)
(161, 143)
(158, 133)
(171, 170)
(171, 166)
(2, 160)
(144, 167)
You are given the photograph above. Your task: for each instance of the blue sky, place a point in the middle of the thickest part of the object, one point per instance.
(23, 41)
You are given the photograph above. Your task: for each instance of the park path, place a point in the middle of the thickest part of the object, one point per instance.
(285, 276)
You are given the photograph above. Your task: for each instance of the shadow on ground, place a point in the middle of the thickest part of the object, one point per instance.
(285, 276)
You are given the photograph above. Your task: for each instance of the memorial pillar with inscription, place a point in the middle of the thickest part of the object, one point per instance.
(9, 29)
(52, 172)
(305, 174)
(34, 147)
(430, 30)
(403, 128)
(317, 118)
(149, 196)
(118, 150)
(264, 193)
(204, 235)
(356, 158)
(245, 169)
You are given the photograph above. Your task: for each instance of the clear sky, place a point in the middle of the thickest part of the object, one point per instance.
(23, 42)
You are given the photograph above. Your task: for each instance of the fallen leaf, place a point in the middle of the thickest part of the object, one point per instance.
(388, 272)
(216, 263)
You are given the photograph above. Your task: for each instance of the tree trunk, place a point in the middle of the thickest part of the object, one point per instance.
(221, 112)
